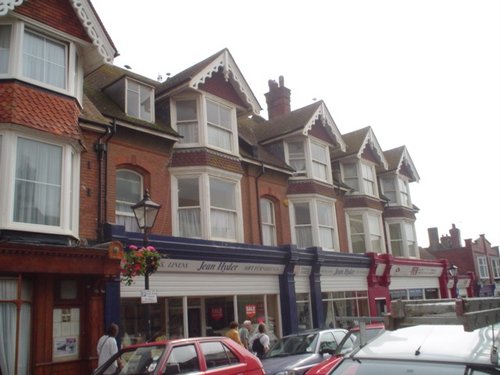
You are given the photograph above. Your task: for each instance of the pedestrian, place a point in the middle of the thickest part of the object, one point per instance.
(107, 347)
(233, 333)
(260, 344)
(245, 333)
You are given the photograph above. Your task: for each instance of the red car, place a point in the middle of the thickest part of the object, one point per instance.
(214, 355)
(350, 342)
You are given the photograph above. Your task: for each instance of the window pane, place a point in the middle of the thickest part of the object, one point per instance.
(396, 239)
(220, 137)
(5, 31)
(268, 224)
(218, 115)
(187, 121)
(146, 103)
(38, 183)
(223, 224)
(133, 99)
(183, 359)
(319, 153)
(128, 193)
(189, 194)
(302, 214)
(186, 110)
(222, 194)
(357, 234)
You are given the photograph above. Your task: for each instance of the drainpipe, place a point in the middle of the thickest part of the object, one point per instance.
(101, 147)
(259, 219)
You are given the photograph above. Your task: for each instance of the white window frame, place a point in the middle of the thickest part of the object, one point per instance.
(482, 267)
(361, 180)
(74, 67)
(312, 201)
(309, 160)
(203, 126)
(268, 222)
(130, 215)
(399, 192)
(366, 214)
(143, 92)
(70, 183)
(203, 174)
(495, 265)
(407, 230)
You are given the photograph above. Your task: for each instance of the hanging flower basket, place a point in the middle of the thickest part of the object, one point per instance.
(139, 262)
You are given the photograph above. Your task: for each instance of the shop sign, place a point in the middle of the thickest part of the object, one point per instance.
(404, 270)
(216, 313)
(251, 310)
(344, 271)
(203, 266)
(148, 296)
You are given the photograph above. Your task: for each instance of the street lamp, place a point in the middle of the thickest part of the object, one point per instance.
(145, 213)
(453, 271)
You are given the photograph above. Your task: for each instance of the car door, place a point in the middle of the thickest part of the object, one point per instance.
(221, 360)
(182, 359)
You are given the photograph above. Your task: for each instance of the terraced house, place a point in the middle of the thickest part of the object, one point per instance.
(279, 218)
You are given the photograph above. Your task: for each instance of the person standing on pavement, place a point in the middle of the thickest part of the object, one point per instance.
(107, 347)
(245, 333)
(260, 345)
(233, 333)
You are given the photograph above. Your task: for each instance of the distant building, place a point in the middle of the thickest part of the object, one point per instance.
(478, 262)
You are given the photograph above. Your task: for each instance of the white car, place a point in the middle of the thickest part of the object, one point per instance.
(427, 350)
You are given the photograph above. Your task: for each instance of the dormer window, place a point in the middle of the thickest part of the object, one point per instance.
(396, 190)
(309, 158)
(361, 177)
(139, 101)
(205, 121)
(135, 98)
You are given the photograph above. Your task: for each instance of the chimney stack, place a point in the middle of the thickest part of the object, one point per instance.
(433, 238)
(456, 240)
(278, 98)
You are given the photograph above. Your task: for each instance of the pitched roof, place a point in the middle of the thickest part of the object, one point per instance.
(197, 74)
(300, 121)
(104, 76)
(399, 157)
(357, 141)
(250, 148)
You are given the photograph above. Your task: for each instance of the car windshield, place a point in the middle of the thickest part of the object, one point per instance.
(291, 345)
(357, 366)
(140, 360)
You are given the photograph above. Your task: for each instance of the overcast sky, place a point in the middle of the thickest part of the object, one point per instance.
(421, 73)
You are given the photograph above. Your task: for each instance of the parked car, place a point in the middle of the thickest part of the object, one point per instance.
(426, 350)
(350, 342)
(295, 354)
(214, 355)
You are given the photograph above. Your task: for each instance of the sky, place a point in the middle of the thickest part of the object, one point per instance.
(424, 74)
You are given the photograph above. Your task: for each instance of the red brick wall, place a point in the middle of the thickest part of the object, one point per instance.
(58, 14)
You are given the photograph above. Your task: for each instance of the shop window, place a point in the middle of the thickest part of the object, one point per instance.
(304, 311)
(398, 294)
(134, 325)
(340, 307)
(15, 345)
(416, 293)
(66, 333)
(431, 293)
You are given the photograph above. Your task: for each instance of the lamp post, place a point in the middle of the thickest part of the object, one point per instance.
(453, 271)
(145, 213)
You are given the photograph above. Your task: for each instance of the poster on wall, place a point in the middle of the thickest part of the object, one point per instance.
(66, 333)
(216, 313)
(250, 310)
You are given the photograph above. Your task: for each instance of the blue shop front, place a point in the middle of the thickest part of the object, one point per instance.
(201, 286)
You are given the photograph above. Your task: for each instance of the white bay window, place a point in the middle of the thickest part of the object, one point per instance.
(310, 158)
(361, 177)
(207, 206)
(43, 196)
(396, 189)
(205, 121)
(365, 231)
(313, 223)
(40, 58)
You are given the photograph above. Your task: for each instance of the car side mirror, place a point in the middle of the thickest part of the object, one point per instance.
(327, 348)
